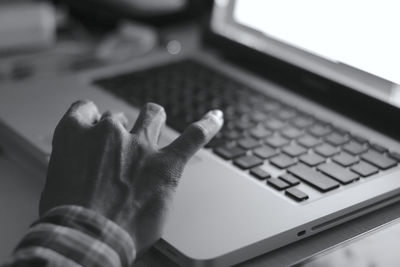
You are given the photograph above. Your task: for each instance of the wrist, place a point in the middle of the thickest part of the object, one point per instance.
(95, 225)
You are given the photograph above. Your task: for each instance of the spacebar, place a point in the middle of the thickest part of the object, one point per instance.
(313, 178)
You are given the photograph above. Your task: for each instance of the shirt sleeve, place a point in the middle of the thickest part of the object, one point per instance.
(72, 236)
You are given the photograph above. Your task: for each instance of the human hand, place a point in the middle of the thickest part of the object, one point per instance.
(98, 164)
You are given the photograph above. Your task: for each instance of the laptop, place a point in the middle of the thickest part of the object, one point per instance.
(311, 96)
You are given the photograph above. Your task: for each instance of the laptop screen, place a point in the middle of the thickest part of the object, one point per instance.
(352, 42)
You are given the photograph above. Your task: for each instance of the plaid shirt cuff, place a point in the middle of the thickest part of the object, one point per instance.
(75, 236)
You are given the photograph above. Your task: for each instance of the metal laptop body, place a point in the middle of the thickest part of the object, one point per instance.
(221, 216)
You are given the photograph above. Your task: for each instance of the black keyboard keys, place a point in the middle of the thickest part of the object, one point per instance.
(338, 173)
(290, 179)
(247, 162)
(278, 184)
(286, 114)
(394, 155)
(274, 124)
(326, 150)
(265, 152)
(231, 134)
(345, 159)
(302, 122)
(258, 116)
(379, 148)
(312, 159)
(260, 132)
(308, 141)
(229, 152)
(336, 139)
(378, 160)
(243, 125)
(277, 141)
(294, 150)
(215, 142)
(314, 178)
(248, 143)
(259, 173)
(282, 161)
(257, 127)
(291, 132)
(320, 130)
(296, 194)
(354, 148)
(364, 169)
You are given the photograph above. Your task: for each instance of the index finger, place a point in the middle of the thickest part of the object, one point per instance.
(197, 135)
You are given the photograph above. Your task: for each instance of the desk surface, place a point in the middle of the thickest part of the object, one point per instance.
(20, 189)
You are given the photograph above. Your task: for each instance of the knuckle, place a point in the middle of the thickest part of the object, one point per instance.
(67, 127)
(109, 123)
(70, 120)
(80, 103)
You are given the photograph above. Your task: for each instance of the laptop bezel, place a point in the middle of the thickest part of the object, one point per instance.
(350, 99)
(224, 23)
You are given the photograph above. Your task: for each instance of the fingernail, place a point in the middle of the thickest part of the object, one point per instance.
(215, 113)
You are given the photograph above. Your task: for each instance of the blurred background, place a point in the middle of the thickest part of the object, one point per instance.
(56, 37)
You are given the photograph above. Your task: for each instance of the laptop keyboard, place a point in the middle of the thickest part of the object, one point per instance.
(259, 130)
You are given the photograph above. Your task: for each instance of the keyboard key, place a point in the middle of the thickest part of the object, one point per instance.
(277, 141)
(302, 122)
(260, 132)
(282, 161)
(296, 194)
(229, 152)
(364, 169)
(379, 148)
(290, 179)
(294, 150)
(312, 159)
(232, 134)
(274, 124)
(326, 150)
(338, 173)
(242, 109)
(291, 132)
(286, 114)
(271, 106)
(248, 143)
(336, 139)
(354, 148)
(308, 141)
(258, 116)
(247, 162)
(215, 142)
(278, 184)
(260, 173)
(319, 130)
(345, 159)
(394, 155)
(243, 125)
(314, 178)
(378, 160)
(265, 152)
(360, 139)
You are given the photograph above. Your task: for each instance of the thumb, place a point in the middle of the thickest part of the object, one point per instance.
(197, 135)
